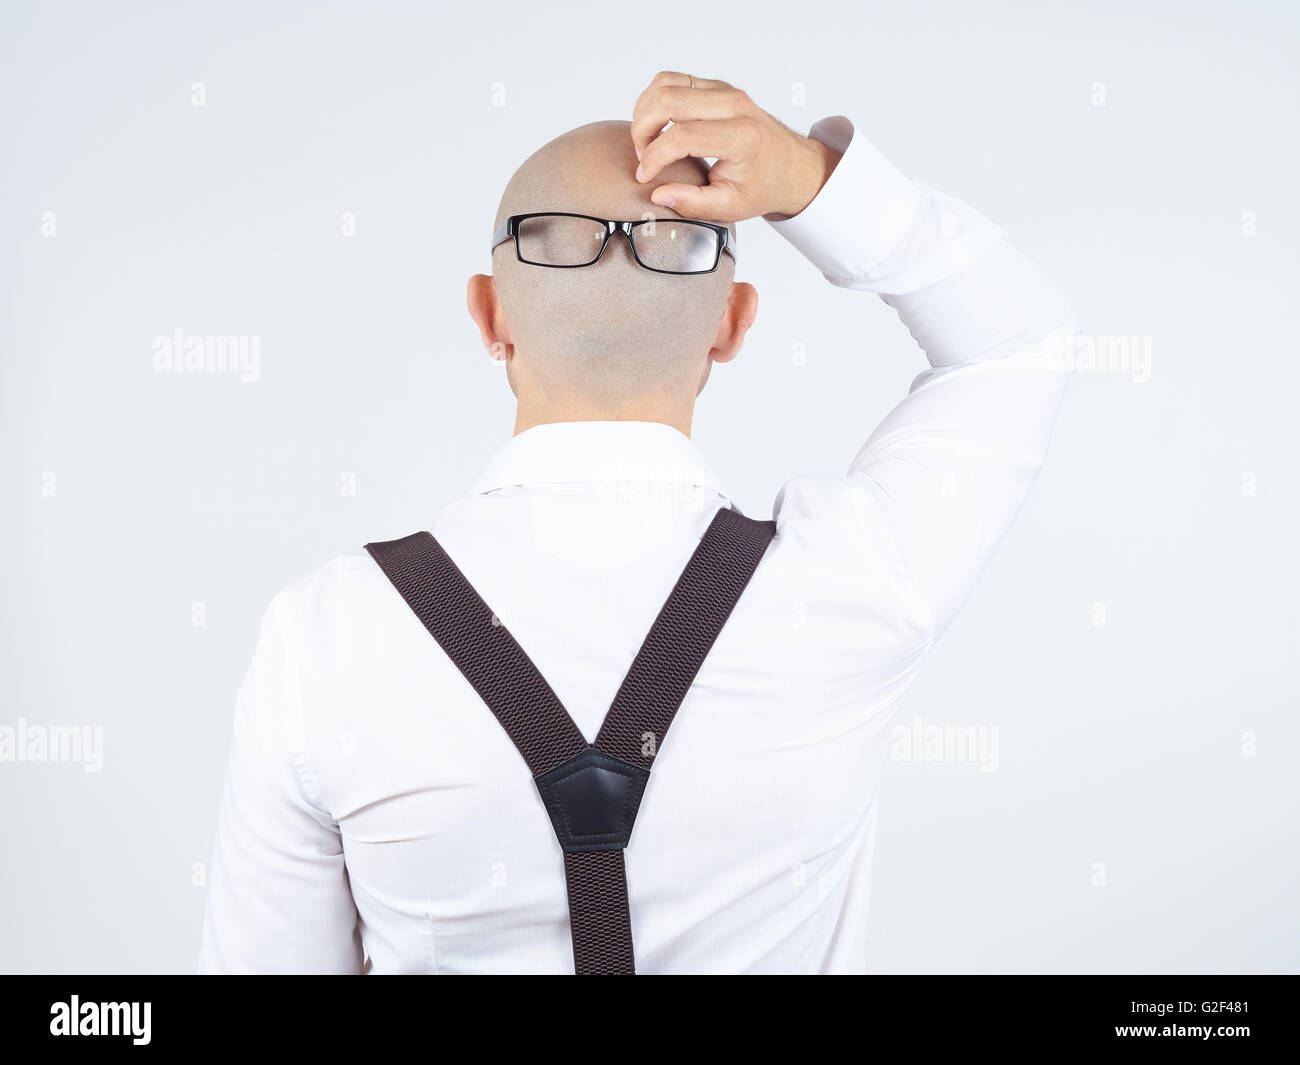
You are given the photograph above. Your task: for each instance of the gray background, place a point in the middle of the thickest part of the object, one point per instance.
(1120, 745)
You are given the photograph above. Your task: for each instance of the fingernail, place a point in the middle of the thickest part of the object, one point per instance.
(638, 152)
(667, 201)
(639, 176)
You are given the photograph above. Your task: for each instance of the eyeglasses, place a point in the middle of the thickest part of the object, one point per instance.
(664, 245)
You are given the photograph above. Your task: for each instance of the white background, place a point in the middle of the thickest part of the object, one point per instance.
(1120, 744)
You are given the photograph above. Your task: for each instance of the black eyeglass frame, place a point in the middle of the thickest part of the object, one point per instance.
(509, 229)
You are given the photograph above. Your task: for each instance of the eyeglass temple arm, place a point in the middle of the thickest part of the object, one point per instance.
(502, 234)
(728, 245)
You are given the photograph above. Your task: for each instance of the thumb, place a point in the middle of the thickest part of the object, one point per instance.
(709, 202)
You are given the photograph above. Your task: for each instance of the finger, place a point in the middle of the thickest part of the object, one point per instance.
(674, 77)
(710, 203)
(716, 139)
(675, 103)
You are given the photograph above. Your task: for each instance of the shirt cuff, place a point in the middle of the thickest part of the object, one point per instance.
(861, 213)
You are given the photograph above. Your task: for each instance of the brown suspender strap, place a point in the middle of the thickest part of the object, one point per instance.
(482, 649)
(591, 792)
(600, 918)
(682, 635)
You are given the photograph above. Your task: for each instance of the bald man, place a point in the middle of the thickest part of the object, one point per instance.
(377, 815)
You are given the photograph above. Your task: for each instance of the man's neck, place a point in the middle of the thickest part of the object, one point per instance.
(678, 415)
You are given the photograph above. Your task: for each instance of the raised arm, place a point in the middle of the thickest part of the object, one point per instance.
(948, 470)
(952, 464)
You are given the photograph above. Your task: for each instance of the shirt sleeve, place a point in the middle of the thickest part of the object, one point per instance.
(950, 467)
(278, 894)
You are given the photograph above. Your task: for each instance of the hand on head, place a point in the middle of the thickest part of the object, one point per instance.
(763, 167)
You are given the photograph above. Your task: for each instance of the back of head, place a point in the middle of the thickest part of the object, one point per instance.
(611, 336)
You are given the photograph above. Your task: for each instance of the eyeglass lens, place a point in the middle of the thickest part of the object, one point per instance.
(667, 244)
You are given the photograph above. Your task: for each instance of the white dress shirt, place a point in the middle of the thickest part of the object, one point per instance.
(377, 818)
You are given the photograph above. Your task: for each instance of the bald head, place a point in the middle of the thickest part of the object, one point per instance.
(591, 170)
(611, 335)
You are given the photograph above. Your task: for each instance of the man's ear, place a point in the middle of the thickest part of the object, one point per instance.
(485, 308)
(737, 317)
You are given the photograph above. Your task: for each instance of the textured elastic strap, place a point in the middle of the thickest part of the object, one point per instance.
(600, 917)
(682, 635)
(482, 649)
(547, 737)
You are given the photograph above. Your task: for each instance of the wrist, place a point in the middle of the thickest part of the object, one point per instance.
(817, 161)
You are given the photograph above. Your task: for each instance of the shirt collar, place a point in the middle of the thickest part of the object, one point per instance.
(598, 452)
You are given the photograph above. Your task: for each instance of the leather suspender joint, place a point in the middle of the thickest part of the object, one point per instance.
(593, 800)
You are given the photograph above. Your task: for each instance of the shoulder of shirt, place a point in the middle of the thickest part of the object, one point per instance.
(329, 594)
(849, 521)
(828, 497)
(346, 590)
